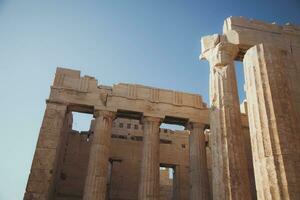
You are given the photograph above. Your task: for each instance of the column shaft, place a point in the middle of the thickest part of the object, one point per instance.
(199, 185)
(272, 81)
(149, 180)
(96, 180)
(229, 164)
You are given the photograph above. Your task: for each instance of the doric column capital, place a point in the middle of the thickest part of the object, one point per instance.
(104, 113)
(193, 125)
(221, 55)
(152, 119)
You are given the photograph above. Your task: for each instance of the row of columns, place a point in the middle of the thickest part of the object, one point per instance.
(95, 187)
(96, 180)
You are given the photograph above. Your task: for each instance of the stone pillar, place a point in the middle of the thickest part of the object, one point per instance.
(44, 165)
(199, 185)
(229, 164)
(149, 180)
(272, 85)
(97, 172)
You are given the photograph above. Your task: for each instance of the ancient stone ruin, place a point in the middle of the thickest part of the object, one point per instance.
(270, 55)
(223, 153)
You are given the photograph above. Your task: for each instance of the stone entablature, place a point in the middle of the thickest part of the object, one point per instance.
(84, 94)
(156, 95)
(242, 23)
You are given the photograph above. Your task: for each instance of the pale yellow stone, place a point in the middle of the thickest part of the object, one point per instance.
(118, 159)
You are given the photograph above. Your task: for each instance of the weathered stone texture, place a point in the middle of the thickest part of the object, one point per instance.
(125, 156)
(199, 185)
(274, 121)
(270, 53)
(229, 164)
(166, 185)
(119, 158)
(41, 180)
(97, 172)
(74, 165)
(149, 179)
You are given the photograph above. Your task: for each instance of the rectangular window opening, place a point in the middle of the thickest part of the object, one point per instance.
(82, 122)
(166, 181)
(171, 127)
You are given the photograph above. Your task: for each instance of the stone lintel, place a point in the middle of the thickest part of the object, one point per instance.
(234, 22)
(248, 32)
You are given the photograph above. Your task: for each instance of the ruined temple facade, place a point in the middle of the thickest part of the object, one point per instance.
(227, 150)
(120, 157)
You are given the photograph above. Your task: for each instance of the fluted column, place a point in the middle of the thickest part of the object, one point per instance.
(229, 164)
(271, 81)
(199, 185)
(96, 180)
(149, 181)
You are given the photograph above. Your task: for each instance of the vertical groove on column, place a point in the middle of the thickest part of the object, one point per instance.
(149, 180)
(229, 164)
(96, 180)
(273, 125)
(199, 185)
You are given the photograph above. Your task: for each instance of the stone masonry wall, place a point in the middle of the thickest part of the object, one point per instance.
(125, 158)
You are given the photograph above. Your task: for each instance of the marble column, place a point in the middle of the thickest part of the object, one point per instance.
(199, 185)
(229, 164)
(96, 180)
(149, 180)
(45, 162)
(272, 84)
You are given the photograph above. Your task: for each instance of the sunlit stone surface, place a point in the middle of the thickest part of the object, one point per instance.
(227, 151)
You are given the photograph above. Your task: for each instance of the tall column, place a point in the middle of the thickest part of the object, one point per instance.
(149, 180)
(96, 180)
(199, 185)
(44, 165)
(229, 164)
(272, 85)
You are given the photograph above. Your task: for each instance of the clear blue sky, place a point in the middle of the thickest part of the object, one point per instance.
(155, 43)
